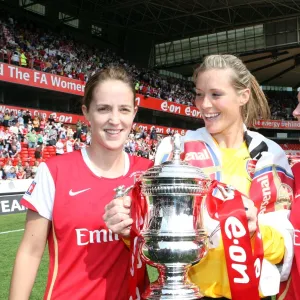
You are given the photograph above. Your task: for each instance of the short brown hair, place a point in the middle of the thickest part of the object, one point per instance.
(110, 73)
(257, 107)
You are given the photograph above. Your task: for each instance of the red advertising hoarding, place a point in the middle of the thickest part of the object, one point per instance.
(59, 116)
(29, 77)
(167, 106)
(277, 124)
(73, 118)
(162, 129)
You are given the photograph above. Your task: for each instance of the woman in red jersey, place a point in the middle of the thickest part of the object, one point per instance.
(290, 289)
(66, 202)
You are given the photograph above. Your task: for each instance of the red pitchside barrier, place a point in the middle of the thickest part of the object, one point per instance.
(33, 78)
(73, 118)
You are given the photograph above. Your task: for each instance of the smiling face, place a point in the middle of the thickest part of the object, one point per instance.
(296, 112)
(111, 113)
(219, 102)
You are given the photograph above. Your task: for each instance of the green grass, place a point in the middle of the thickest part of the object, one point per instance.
(152, 273)
(12, 222)
(9, 244)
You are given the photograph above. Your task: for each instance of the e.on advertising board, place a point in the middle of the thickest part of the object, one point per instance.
(74, 118)
(161, 129)
(29, 77)
(58, 116)
(33, 78)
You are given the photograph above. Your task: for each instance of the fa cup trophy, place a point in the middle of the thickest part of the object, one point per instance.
(173, 234)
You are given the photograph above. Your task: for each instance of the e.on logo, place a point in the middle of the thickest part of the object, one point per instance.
(192, 112)
(170, 107)
(235, 230)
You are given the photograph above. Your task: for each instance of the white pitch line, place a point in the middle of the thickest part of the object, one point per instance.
(4, 232)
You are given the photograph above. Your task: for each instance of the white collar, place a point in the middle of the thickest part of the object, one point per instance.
(89, 164)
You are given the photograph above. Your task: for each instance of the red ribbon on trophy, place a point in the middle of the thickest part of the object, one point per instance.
(138, 212)
(139, 209)
(243, 263)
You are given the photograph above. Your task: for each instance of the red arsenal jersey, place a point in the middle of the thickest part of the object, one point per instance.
(87, 261)
(291, 288)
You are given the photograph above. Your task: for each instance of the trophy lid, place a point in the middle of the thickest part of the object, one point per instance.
(176, 168)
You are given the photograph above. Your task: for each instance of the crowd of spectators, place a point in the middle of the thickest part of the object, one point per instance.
(26, 45)
(143, 143)
(282, 104)
(27, 140)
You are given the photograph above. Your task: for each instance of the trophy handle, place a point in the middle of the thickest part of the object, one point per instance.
(121, 191)
(176, 141)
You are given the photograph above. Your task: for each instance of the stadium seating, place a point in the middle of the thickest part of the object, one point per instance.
(49, 52)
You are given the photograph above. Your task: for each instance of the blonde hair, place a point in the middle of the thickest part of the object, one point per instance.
(257, 107)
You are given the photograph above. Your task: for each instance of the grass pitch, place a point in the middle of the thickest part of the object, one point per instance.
(9, 243)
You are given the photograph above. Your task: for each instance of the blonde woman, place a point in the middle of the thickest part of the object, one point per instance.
(229, 98)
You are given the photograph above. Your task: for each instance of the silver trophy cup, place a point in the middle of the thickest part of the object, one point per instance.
(173, 234)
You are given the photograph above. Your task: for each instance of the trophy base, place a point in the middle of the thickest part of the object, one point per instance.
(167, 292)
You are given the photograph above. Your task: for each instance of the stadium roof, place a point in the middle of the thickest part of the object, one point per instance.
(271, 68)
(173, 19)
(169, 20)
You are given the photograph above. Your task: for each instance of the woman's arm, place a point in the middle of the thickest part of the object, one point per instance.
(29, 256)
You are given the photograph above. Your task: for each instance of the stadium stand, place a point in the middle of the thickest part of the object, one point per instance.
(291, 149)
(27, 45)
(282, 104)
(23, 146)
(25, 141)
(24, 44)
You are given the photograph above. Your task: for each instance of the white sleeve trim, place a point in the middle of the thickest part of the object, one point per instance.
(279, 220)
(269, 279)
(163, 150)
(42, 192)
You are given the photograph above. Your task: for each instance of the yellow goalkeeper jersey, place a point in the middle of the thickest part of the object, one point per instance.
(210, 274)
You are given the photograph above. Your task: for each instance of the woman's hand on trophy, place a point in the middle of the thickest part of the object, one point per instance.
(251, 210)
(251, 214)
(117, 216)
